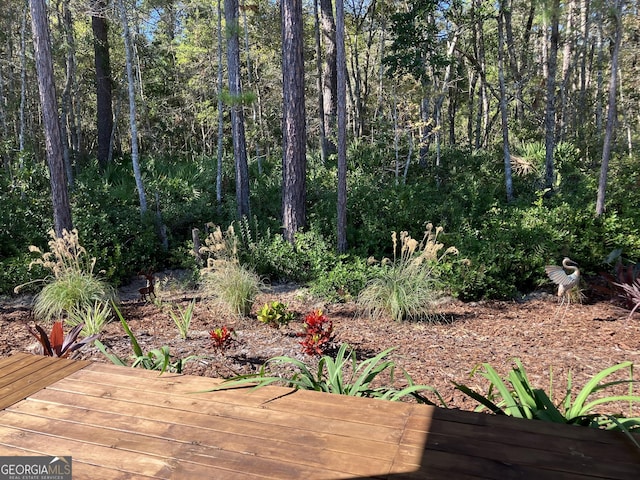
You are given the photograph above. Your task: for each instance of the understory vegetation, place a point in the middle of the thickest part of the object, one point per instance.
(502, 246)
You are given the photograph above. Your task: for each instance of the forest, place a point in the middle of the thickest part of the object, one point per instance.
(317, 129)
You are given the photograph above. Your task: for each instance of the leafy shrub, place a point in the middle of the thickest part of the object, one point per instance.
(406, 287)
(275, 314)
(342, 282)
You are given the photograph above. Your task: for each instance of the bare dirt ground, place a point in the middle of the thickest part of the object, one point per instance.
(582, 339)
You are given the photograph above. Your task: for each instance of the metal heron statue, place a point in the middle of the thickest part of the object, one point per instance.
(565, 281)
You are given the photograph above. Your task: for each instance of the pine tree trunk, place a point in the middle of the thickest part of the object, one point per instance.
(503, 111)
(220, 113)
(330, 75)
(294, 162)
(550, 114)
(237, 116)
(342, 128)
(51, 122)
(104, 106)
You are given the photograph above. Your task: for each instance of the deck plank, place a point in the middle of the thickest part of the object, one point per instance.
(130, 423)
(31, 373)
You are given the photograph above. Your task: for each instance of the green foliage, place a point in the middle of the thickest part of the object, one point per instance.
(517, 397)
(343, 282)
(275, 314)
(182, 318)
(406, 287)
(156, 359)
(342, 375)
(93, 317)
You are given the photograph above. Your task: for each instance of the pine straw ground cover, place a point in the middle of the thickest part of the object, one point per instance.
(583, 339)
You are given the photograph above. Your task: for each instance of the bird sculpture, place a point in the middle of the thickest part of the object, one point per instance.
(565, 281)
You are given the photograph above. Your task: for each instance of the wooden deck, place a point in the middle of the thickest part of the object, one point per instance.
(122, 423)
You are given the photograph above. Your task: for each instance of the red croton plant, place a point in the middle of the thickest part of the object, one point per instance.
(317, 334)
(221, 337)
(57, 344)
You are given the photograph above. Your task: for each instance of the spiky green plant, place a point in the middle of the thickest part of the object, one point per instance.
(182, 318)
(406, 287)
(342, 375)
(516, 397)
(93, 317)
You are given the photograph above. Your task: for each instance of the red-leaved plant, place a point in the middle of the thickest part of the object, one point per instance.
(317, 333)
(57, 344)
(221, 337)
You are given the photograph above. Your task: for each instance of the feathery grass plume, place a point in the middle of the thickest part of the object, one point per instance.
(406, 286)
(233, 285)
(72, 283)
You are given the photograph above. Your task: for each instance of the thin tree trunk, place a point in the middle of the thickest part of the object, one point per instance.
(51, 122)
(237, 116)
(23, 84)
(611, 113)
(550, 115)
(67, 100)
(220, 112)
(321, 115)
(132, 109)
(503, 112)
(341, 67)
(329, 80)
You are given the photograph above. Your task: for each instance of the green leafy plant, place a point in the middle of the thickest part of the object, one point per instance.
(341, 375)
(57, 344)
(93, 317)
(275, 314)
(182, 318)
(518, 398)
(221, 337)
(406, 287)
(318, 331)
(156, 359)
(72, 284)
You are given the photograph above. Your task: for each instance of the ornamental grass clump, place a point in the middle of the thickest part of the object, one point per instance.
(234, 286)
(406, 287)
(72, 284)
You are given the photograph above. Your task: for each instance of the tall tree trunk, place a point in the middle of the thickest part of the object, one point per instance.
(329, 77)
(503, 110)
(611, 113)
(104, 105)
(220, 112)
(323, 132)
(550, 115)
(67, 99)
(53, 141)
(231, 14)
(294, 162)
(135, 157)
(342, 128)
